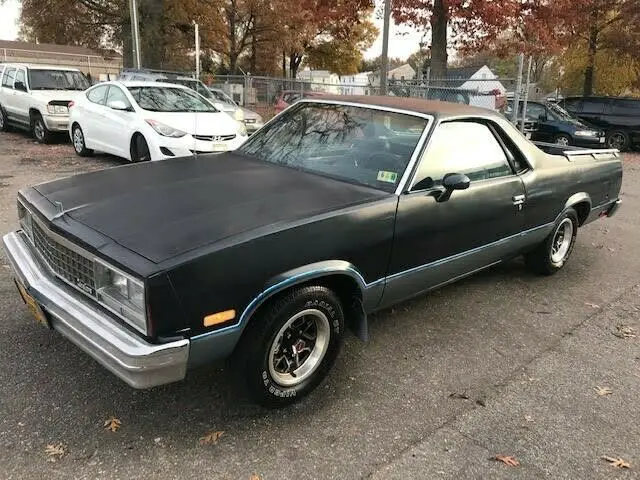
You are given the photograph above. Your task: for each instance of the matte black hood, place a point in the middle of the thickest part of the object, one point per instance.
(166, 208)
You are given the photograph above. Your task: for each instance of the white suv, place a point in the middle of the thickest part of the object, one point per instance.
(36, 97)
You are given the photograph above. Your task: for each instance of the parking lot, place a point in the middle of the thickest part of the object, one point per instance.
(503, 363)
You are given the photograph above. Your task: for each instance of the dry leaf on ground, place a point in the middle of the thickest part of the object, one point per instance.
(255, 476)
(592, 305)
(624, 331)
(211, 438)
(603, 390)
(529, 418)
(617, 462)
(112, 424)
(462, 396)
(55, 451)
(507, 460)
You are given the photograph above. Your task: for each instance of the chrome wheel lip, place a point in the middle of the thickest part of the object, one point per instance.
(78, 140)
(313, 361)
(561, 243)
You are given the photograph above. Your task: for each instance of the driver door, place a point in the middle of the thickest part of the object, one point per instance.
(437, 240)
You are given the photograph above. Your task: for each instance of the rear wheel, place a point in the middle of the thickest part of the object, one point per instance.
(552, 254)
(290, 346)
(562, 139)
(140, 149)
(77, 137)
(40, 131)
(3, 120)
(618, 139)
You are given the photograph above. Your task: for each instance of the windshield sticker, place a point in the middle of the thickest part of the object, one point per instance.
(389, 177)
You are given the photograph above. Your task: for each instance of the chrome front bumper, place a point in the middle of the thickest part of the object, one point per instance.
(614, 208)
(124, 353)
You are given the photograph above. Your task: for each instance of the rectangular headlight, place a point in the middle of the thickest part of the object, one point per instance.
(122, 294)
(26, 221)
(58, 109)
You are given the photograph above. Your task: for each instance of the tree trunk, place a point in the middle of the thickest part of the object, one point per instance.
(284, 65)
(152, 37)
(233, 55)
(252, 66)
(295, 59)
(439, 21)
(589, 73)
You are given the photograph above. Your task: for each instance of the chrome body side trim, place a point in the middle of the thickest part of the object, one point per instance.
(79, 319)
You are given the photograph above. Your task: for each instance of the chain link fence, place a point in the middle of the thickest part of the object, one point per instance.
(268, 96)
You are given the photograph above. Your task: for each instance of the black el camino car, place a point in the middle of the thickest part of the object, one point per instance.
(336, 208)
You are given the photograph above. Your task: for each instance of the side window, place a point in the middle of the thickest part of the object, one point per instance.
(9, 76)
(626, 107)
(573, 105)
(534, 111)
(116, 94)
(96, 95)
(21, 77)
(595, 105)
(479, 156)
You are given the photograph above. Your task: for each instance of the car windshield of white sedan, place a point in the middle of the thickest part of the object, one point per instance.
(167, 99)
(57, 80)
(357, 144)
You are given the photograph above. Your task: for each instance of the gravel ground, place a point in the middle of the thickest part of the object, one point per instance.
(503, 363)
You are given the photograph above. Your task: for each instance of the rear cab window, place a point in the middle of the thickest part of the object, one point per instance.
(8, 77)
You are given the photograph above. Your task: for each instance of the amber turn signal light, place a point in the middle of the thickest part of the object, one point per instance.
(218, 318)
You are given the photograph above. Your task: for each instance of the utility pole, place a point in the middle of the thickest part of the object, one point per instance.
(516, 93)
(135, 33)
(384, 64)
(526, 95)
(197, 49)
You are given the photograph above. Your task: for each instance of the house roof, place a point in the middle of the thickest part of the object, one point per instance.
(457, 76)
(55, 48)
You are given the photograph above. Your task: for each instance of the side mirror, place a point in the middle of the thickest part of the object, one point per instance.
(451, 182)
(20, 86)
(117, 105)
(542, 117)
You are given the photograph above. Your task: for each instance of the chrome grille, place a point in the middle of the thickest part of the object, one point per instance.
(214, 138)
(67, 264)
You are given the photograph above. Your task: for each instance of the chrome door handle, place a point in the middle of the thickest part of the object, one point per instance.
(518, 199)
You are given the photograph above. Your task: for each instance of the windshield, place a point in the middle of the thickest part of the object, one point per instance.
(169, 99)
(560, 112)
(57, 80)
(222, 97)
(356, 144)
(196, 86)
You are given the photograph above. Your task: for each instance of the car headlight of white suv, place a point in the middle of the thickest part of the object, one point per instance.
(57, 109)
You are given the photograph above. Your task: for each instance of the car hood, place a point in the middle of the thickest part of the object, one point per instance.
(251, 114)
(197, 123)
(48, 95)
(163, 209)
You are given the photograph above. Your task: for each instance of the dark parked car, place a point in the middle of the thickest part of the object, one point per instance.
(619, 117)
(555, 125)
(339, 207)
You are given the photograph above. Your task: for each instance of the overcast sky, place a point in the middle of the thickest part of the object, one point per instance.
(402, 42)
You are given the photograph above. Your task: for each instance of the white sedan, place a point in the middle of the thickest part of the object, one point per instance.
(143, 121)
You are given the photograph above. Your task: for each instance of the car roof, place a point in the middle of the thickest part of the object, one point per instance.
(38, 66)
(600, 97)
(418, 105)
(147, 83)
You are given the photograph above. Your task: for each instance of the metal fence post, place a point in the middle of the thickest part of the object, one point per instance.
(516, 93)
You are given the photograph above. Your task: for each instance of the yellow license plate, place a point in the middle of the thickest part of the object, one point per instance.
(220, 147)
(33, 306)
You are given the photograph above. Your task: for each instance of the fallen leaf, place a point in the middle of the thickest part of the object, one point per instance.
(55, 451)
(529, 418)
(463, 396)
(592, 305)
(623, 331)
(255, 476)
(211, 438)
(617, 462)
(112, 424)
(611, 249)
(508, 460)
(603, 391)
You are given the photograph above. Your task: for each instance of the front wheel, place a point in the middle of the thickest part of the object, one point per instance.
(40, 131)
(3, 120)
(552, 254)
(618, 140)
(140, 149)
(291, 345)
(562, 139)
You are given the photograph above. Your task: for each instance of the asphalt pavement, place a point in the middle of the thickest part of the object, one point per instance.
(544, 370)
